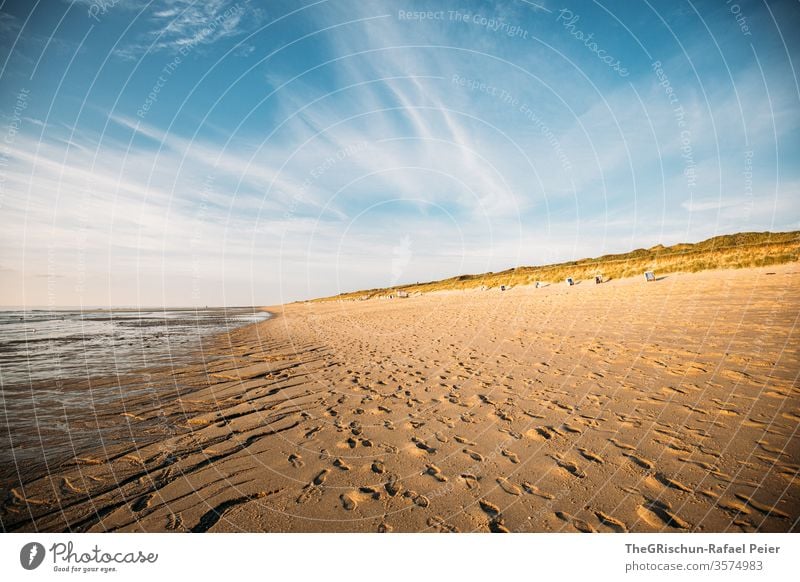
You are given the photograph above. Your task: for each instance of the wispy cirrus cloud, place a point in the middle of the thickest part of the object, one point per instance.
(174, 25)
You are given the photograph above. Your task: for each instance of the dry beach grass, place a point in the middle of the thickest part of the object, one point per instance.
(628, 406)
(730, 251)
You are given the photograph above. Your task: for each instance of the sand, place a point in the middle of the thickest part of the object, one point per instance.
(626, 406)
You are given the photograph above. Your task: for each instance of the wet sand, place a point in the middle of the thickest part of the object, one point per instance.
(626, 406)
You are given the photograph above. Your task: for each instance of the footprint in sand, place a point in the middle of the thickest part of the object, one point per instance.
(762, 507)
(421, 444)
(321, 476)
(497, 526)
(378, 467)
(541, 432)
(769, 448)
(489, 508)
(510, 456)
(789, 471)
(728, 411)
(791, 416)
(575, 522)
(711, 468)
(393, 486)
(474, 455)
(419, 500)
(642, 462)
(465, 441)
(508, 486)
(658, 514)
(441, 525)
(471, 480)
(442, 438)
(734, 507)
(671, 483)
(340, 464)
(512, 433)
(569, 466)
(370, 491)
(707, 493)
(696, 409)
(174, 521)
(621, 445)
(504, 416)
(312, 433)
(468, 418)
(140, 504)
(534, 490)
(391, 449)
(446, 421)
(570, 428)
(745, 525)
(674, 447)
(611, 522)
(350, 500)
(308, 493)
(296, 460)
(590, 456)
(436, 473)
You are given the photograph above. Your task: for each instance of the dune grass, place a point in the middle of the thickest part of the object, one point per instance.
(732, 251)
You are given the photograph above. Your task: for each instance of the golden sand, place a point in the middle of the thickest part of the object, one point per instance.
(625, 406)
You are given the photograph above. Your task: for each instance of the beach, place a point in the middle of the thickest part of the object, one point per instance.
(61, 370)
(639, 406)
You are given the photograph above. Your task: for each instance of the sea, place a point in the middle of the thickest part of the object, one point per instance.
(44, 350)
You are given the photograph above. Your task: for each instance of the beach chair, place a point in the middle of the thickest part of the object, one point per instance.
(569, 281)
(649, 276)
(598, 279)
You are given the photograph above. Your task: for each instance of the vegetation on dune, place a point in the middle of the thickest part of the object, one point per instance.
(731, 251)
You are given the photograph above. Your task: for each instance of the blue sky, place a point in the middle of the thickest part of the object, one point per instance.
(176, 152)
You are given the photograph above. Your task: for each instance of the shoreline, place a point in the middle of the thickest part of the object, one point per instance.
(66, 414)
(625, 406)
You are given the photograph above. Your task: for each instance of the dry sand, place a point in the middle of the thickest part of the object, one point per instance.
(627, 406)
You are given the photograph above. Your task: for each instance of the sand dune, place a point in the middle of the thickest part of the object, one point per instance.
(627, 406)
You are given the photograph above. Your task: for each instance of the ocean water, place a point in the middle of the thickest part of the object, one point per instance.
(38, 345)
(61, 369)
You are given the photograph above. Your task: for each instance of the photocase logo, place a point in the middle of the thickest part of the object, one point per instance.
(31, 555)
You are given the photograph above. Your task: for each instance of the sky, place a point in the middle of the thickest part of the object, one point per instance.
(242, 152)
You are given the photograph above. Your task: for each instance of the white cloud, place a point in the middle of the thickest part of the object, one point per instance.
(182, 24)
